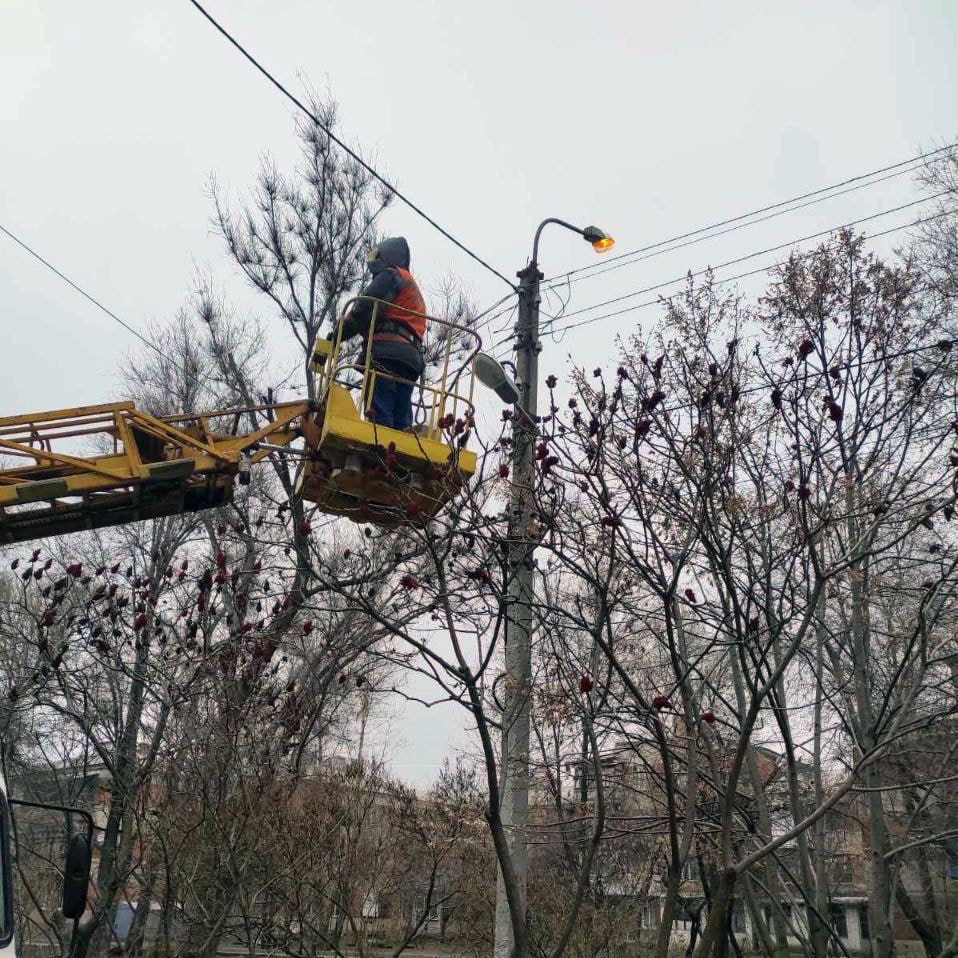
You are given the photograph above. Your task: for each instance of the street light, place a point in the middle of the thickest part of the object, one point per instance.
(491, 374)
(601, 242)
(490, 371)
(520, 590)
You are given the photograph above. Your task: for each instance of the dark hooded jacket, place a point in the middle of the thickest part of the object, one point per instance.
(405, 358)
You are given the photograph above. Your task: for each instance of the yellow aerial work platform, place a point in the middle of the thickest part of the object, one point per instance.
(73, 469)
(371, 473)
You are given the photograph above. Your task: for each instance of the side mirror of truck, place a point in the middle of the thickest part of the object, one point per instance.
(76, 877)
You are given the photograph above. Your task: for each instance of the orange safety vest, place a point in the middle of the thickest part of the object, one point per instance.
(408, 297)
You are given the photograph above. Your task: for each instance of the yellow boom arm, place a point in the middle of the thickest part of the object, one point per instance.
(93, 466)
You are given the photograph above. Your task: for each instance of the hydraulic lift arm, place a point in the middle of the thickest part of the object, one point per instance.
(72, 469)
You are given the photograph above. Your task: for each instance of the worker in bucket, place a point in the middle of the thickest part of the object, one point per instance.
(397, 338)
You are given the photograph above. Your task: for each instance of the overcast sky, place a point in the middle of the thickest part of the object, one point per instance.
(647, 118)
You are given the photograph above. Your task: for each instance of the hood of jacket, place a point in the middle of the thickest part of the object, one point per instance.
(392, 251)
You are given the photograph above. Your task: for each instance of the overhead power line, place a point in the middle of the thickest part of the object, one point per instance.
(762, 252)
(84, 293)
(658, 300)
(705, 237)
(729, 279)
(742, 221)
(902, 167)
(343, 146)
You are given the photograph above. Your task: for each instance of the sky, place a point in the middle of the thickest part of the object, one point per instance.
(649, 119)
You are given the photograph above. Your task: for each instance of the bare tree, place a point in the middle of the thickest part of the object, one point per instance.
(718, 526)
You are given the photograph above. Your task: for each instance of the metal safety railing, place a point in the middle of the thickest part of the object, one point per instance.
(450, 394)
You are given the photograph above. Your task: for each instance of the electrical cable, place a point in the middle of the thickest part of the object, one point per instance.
(709, 236)
(730, 279)
(765, 209)
(85, 294)
(770, 249)
(553, 330)
(352, 153)
(487, 320)
(705, 233)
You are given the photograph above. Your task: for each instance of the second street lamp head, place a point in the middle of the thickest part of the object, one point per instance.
(491, 374)
(600, 240)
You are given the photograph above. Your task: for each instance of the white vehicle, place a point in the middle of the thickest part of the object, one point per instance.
(76, 870)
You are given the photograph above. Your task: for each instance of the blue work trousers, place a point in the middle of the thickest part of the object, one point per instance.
(391, 404)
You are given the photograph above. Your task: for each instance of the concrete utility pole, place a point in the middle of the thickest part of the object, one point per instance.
(520, 594)
(514, 769)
